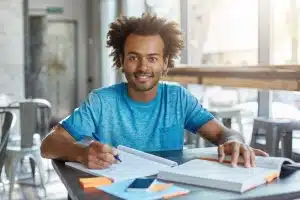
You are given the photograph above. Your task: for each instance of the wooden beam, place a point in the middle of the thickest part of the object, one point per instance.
(276, 77)
(252, 83)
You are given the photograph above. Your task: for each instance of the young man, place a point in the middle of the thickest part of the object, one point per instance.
(143, 113)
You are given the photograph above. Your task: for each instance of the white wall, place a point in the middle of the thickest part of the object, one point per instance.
(11, 49)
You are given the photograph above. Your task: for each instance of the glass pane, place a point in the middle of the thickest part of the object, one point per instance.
(165, 8)
(285, 50)
(61, 67)
(224, 32)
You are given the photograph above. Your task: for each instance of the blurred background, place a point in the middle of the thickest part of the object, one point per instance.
(56, 50)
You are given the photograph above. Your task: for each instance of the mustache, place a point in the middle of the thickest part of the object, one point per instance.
(143, 74)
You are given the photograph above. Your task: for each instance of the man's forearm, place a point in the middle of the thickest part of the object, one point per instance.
(58, 146)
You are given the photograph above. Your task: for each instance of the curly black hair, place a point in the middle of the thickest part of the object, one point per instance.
(148, 24)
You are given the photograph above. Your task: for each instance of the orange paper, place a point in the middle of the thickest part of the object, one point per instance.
(271, 177)
(159, 187)
(94, 182)
(176, 194)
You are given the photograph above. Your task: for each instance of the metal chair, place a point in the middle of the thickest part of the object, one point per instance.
(27, 147)
(7, 120)
(270, 134)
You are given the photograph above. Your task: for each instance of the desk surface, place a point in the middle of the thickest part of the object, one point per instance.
(284, 188)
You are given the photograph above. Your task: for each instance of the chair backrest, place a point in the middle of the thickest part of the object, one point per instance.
(43, 116)
(36, 119)
(28, 123)
(7, 120)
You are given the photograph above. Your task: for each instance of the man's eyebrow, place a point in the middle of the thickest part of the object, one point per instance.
(150, 54)
(133, 52)
(153, 54)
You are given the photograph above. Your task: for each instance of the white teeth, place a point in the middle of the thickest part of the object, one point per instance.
(142, 76)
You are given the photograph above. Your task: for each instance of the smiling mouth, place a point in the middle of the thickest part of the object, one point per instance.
(143, 77)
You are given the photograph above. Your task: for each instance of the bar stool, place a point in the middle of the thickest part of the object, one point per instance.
(267, 134)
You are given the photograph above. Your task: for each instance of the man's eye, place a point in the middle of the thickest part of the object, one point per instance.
(132, 58)
(152, 59)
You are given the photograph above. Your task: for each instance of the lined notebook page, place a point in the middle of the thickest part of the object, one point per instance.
(132, 166)
(148, 156)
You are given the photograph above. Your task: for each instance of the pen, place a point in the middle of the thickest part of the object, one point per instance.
(117, 157)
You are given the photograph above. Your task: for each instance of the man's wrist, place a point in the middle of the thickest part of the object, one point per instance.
(237, 138)
(232, 135)
(79, 153)
(82, 146)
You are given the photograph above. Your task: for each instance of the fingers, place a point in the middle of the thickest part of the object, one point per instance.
(100, 155)
(259, 152)
(107, 157)
(235, 148)
(221, 153)
(252, 157)
(235, 154)
(247, 156)
(95, 163)
(103, 148)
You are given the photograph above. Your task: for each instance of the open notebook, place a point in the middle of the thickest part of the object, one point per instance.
(208, 173)
(134, 164)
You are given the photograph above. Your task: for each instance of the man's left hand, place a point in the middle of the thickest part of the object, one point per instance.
(235, 149)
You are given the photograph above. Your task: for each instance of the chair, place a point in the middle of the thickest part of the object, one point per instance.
(268, 134)
(7, 120)
(28, 147)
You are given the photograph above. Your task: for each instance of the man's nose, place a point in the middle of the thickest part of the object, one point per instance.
(143, 64)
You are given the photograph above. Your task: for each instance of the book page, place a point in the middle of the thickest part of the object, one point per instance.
(263, 162)
(132, 166)
(148, 156)
(217, 171)
(271, 162)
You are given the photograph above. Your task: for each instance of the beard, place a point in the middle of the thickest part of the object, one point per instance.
(143, 81)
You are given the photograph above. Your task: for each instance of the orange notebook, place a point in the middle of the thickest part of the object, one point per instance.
(93, 182)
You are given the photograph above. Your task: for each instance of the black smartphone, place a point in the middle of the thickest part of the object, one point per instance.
(140, 184)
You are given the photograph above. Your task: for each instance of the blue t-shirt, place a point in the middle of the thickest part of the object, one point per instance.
(110, 116)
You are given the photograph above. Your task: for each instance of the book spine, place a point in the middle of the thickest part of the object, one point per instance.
(148, 156)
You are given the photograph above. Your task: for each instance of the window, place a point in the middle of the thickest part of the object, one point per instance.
(285, 50)
(224, 32)
(165, 8)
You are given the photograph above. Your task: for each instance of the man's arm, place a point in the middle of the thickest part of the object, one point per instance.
(59, 144)
(229, 142)
(218, 134)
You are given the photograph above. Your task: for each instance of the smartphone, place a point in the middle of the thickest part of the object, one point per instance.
(140, 184)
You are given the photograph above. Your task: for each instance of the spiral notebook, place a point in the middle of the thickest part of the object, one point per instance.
(134, 164)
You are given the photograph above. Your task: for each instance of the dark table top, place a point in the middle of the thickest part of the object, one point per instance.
(282, 188)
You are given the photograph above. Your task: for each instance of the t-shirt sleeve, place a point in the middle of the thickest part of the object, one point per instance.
(84, 119)
(195, 114)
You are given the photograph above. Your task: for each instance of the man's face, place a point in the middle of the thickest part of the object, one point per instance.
(143, 61)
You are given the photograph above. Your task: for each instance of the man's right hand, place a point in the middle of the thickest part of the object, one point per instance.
(98, 156)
